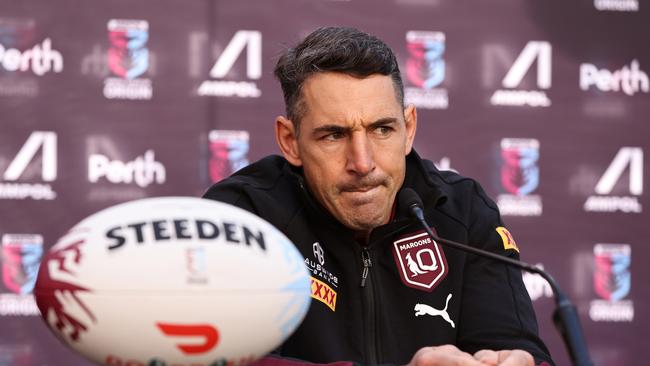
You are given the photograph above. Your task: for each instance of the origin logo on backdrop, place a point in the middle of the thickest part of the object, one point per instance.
(128, 60)
(612, 283)
(142, 171)
(617, 5)
(19, 259)
(21, 178)
(228, 153)
(226, 80)
(425, 70)
(25, 57)
(519, 177)
(513, 93)
(605, 200)
(629, 79)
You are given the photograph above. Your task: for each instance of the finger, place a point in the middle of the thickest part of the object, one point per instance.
(515, 358)
(446, 355)
(487, 357)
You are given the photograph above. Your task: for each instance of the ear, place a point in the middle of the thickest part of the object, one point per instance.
(411, 123)
(287, 139)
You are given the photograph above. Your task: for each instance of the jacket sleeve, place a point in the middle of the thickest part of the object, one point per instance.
(496, 311)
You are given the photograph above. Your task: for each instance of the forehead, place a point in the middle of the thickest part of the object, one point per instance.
(332, 97)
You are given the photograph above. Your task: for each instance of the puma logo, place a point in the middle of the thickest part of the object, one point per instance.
(423, 309)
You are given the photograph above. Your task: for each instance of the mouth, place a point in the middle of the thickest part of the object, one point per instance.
(361, 195)
(362, 189)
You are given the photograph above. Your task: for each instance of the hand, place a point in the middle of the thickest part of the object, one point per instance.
(515, 357)
(446, 355)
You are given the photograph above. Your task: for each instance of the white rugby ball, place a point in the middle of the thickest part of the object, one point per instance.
(173, 281)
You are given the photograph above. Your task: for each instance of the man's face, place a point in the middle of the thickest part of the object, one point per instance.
(352, 145)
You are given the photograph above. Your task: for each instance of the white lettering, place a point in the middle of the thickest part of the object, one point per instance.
(144, 170)
(511, 205)
(533, 98)
(20, 191)
(617, 5)
(613, 204)
(619, 311)
(630, 80)
(40, 59)
(217, 88)
(134, 89)
(17, 305)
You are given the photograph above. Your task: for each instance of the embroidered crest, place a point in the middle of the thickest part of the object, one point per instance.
(420, 260)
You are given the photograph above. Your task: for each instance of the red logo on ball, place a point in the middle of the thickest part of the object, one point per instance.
(209, 334)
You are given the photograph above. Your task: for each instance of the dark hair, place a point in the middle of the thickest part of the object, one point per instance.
(337, 49)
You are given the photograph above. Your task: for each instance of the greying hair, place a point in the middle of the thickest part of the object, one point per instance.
(333, 49)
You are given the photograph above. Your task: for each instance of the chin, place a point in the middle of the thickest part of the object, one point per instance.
(361, 224)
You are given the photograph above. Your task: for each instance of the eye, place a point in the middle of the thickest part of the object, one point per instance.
(383, 130)
(333, 136)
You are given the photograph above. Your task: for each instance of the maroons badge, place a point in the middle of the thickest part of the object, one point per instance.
(420, 261)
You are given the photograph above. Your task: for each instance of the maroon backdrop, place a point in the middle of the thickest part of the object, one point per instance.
(544, 102)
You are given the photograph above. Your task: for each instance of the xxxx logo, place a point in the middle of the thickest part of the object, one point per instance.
(323, 293)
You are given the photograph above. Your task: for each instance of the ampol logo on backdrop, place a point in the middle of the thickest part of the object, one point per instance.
(514, 94)
(519, 177)
(21, 178)
(606, 200)
(20, 257)
(612, 283)
(226, 80)
(128, 60)
(425, 70)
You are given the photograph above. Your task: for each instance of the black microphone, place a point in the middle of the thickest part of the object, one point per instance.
(565, 316)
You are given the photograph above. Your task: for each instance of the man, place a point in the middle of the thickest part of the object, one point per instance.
(384, 293)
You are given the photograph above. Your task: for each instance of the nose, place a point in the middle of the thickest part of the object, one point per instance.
(360, 155)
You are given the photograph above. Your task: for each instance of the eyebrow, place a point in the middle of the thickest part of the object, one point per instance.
(337, 128)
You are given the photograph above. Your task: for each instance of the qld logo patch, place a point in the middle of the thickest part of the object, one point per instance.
(421, 262)
(323, 293)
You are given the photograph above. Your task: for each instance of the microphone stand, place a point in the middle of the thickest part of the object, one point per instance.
(565, 316)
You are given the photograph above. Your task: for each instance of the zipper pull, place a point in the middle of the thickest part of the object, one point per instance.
(367, 263)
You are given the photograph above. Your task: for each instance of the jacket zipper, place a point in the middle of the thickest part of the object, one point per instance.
(369, 296)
